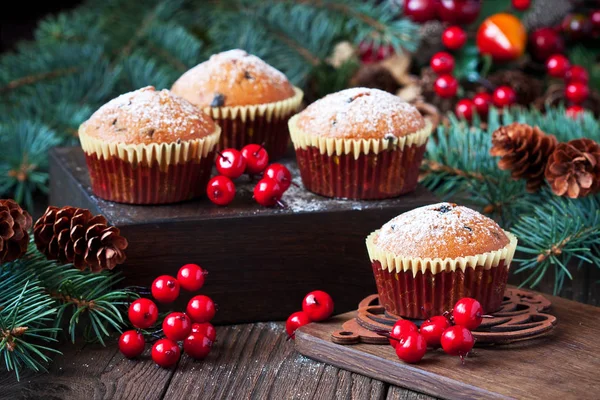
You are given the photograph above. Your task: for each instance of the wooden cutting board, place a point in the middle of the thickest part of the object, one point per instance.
(563, 365)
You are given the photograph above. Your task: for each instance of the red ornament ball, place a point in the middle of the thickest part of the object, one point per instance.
(468, 313)
(457, 341)
(464, 108)
(577, 92)
(201, 309)
(281, 174)
(482, 103)
(575, 111)
(558, 65)
(256, 157)
(295, 321)
(231, 163)
(446, 86)
(268, 192)
(521, 5)
(401, 328)
(220, 190)
(420, 10)
(143, 313)
(197, 345)
(165, 289)
(442, 63)
(577, 74)
(132, 344)
(177, 326)
(461, 12)
(411, 348)
(205, 328)
(504, 96)
(318, 305)
(433, 328)
(165, 353)
(191, 277)
(454, 37)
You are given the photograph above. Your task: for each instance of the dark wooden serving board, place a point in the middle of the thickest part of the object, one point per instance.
(261, 261)
(563, 365)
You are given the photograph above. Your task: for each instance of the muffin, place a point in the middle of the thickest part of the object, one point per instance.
(149, 147)
(249, 99)
(426, 259)
(359, 144)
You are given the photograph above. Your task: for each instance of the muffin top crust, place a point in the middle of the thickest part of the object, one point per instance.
(233, 78)
(443, 230)
(360, 113)
(147, 116)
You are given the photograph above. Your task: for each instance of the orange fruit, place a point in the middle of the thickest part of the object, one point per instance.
(502, 36)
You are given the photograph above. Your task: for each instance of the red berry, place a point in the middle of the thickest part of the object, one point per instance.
(411, 348)
(176, 326)
(468, 313)
(400, 329)
(595, 20)
(461, 12)
(165, 289)
(281, 174)
(433, 328)
(464, 108)
(318, 305)
(558, 65)
(457, 341)
(575, 111)
(545, 42)
(482, 103)
(197, 345)
(220, 190)
(165, 353)
(420, 10)
(576, 26)
(454, 37)
(267, 192)
(370, 54)
(504, 96)
(191, 277)
(577, 74)
(231, 163)
(295, 321)
(446, 86)
(442, 63)
(521, 5)
(205, 328)
(132, 343)
(143, 313)
(201, 309)
(577, 92)
(256, 157)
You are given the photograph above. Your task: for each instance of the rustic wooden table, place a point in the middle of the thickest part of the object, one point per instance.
(249, 361)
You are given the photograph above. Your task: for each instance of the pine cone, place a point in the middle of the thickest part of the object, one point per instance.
(573, 168)
(524, 151)
(527, 87)
(375, 76)
(74, 235)
(427, 82)
(14, 230)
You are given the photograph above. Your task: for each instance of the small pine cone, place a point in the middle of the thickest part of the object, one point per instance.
(14, 230)
(74, 235)
(524, 151)
(573, 168)
(375, 76)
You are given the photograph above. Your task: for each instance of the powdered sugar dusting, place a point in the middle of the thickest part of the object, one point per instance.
(361, 113)
(442, 230)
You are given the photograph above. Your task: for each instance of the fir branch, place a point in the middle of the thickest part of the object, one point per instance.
(35, 78)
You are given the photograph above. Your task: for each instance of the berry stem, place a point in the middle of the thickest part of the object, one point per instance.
(262, 145)
(281, 204)
(223, 156)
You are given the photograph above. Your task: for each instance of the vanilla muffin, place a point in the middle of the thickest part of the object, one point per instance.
(249, 99)
(426, 259)
(360, 143)
(149, 147)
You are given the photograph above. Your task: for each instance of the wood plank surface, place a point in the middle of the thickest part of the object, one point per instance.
(563, 365)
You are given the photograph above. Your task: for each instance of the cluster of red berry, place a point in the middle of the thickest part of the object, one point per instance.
(193, 327)
(316, 306)
(451, 331)
(576, 79)
(253, 160)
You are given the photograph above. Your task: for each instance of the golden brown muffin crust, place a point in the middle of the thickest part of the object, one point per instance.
(233, 78)
(148, 116)
(443, 230)
(360, 113)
